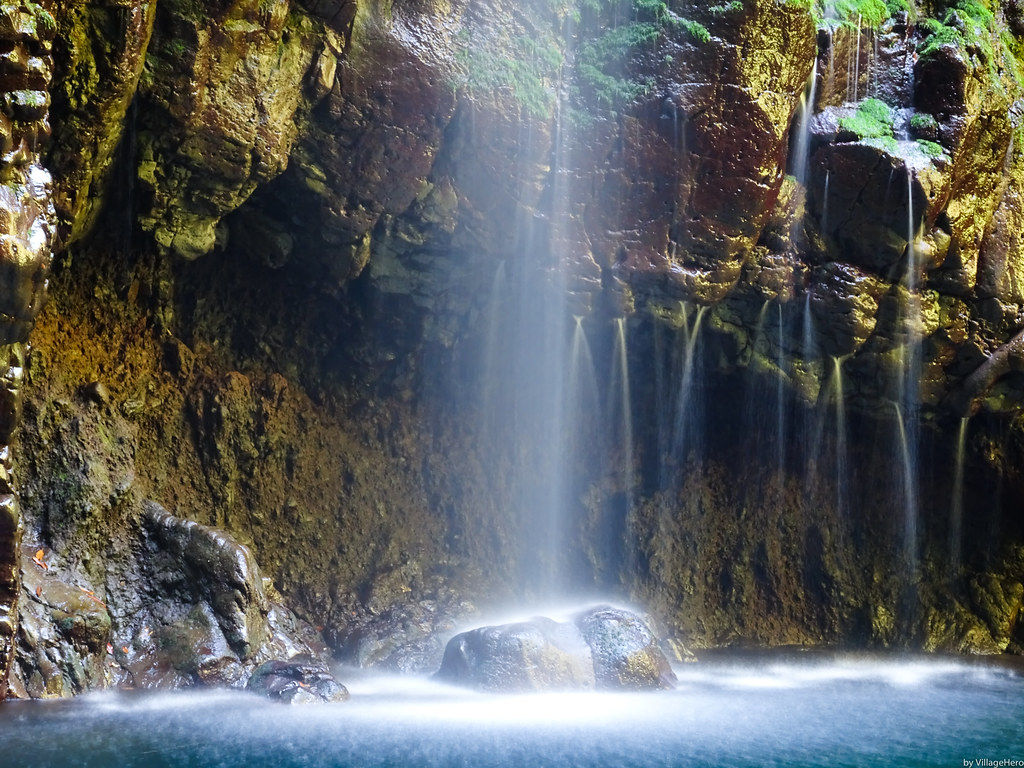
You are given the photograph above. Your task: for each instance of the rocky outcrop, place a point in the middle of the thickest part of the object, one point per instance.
(99, 55)
(189, 607)
(207, 567)
(222, 95)
(400, 636)
(601, 648)
(26, 221)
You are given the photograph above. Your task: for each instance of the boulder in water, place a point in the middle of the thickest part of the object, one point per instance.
(603, 647)
(534, 655)
(625, 651)
(300, 680)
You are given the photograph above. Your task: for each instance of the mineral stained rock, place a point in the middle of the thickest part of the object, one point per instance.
(26, 234)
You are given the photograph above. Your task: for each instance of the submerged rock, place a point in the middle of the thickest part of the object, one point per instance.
(602, 647)
(301, 680)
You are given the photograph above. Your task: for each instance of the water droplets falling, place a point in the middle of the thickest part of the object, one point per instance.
(824, 205)
(856, 63)
(802, 149)
(624, 406)
(904, 427)
(956, 510)
(490, 376)
(909, 394)
(839, 399)
(688, 431)
(780, 394)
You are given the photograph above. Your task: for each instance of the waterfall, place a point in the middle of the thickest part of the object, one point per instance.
(620, 376)
(909, 400)
(535, 381)
(780, 396)
(830, 77)
(856, 65)
(808, 347)
(840, 438)
(909, 491)
(873, 66)
(492, 375)
(581, 388)
(813, 421)
(956, 507)
(824, 206)
(802, 148)
(582, 399)
(688, 434)
(662, 399)
(849, 76)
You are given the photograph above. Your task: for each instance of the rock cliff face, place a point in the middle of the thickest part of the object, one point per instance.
(279, 230)
(26, 221)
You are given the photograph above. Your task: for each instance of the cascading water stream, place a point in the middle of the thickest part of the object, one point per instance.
(813, 416)
(830, 76)
(491, 375)
(581, 388)
(533, 377)
(873, 66)
(849, 76)
(909, 400)
(839, 396)
(687, 434)
(624, 406)
(909, 491)
(824, 205)
(956, 507)
(856, 64)
(802, 149)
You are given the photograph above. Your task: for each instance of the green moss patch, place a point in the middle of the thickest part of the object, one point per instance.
(872, 120)
(865, 13)
(923, 124)
(931, 149)
(603, 60)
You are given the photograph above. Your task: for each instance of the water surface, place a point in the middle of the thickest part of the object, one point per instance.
(815, 712)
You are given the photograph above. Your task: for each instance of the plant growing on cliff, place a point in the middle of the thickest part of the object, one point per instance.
(872, 120)
(603, 60)
(731, 7)
(525, 67)
(972, 27)
(865, 13)
(930, 148)
(923, 124)
(529, 67)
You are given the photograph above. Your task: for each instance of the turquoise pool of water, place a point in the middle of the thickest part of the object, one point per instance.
(845, 711)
